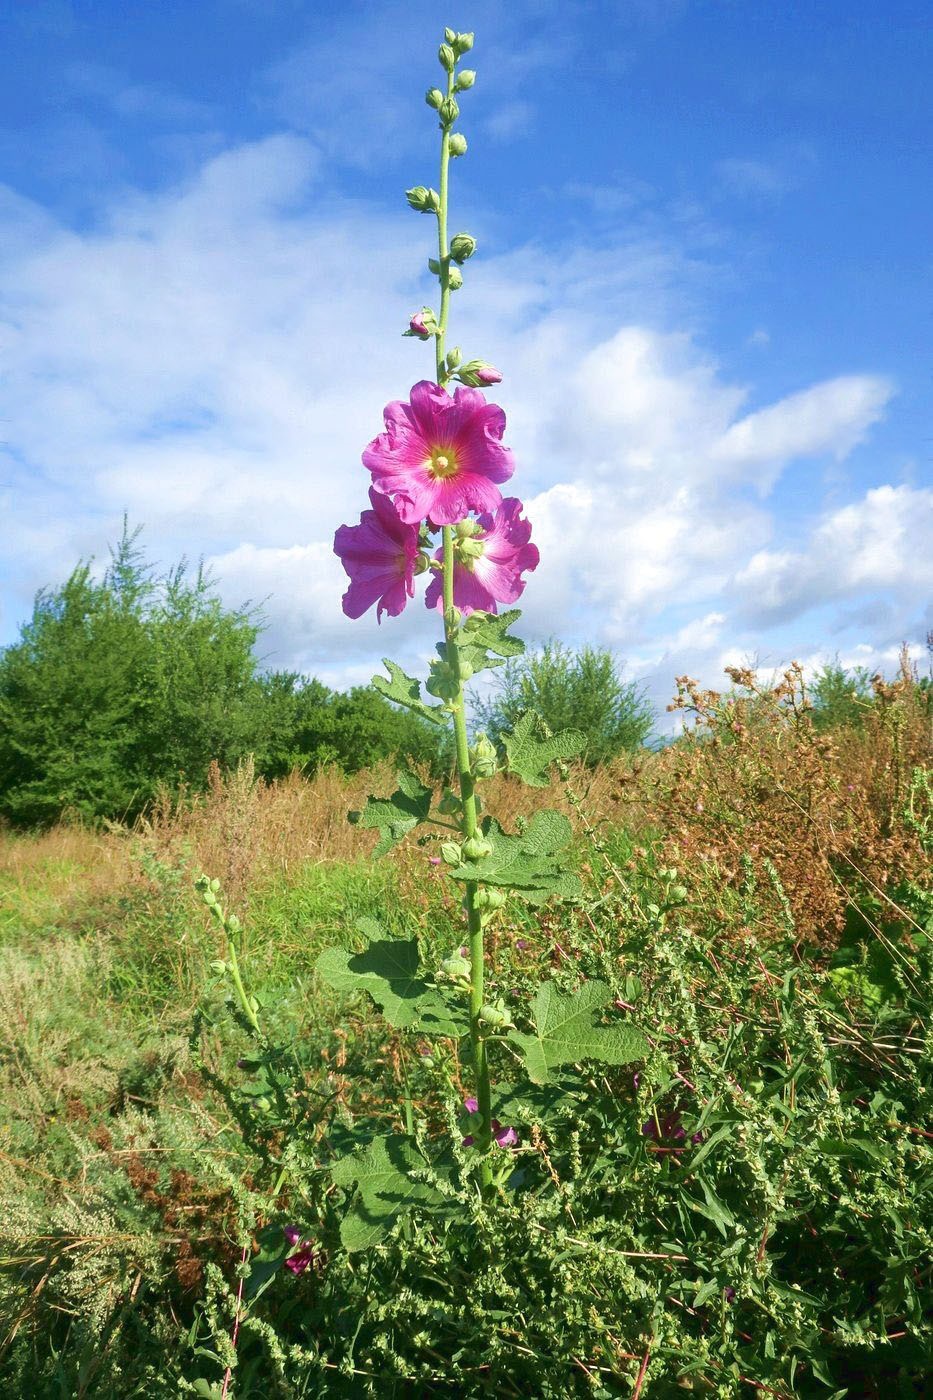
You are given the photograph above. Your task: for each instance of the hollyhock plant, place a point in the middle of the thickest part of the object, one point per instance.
(380, 555)
(490, 562)
(440, 456)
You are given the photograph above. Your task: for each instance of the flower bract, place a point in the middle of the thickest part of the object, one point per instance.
(440, 456)
(379, 555)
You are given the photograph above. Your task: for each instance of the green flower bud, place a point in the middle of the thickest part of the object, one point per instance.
(462, 246)
(465, 529)
(434, 266)
(465, 80)
(475, 847)
(451, 853)
(466, 671)
(471, 549)
(233, 923)
(457, 144)
(454, 357)
(215, 885)
(449, 111)
(463, 43)
(446, 57)
(262, 1103)
(483, 757)
(210, 898)
(454, 278)
(425, 201)
(219, 967)
(495, 1015)
(450, 35)
(434, 97)
(456, 966)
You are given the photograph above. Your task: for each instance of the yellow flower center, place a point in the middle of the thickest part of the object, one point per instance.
(442, 464)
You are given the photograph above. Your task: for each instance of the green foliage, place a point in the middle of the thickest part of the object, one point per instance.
(530, 756)
(529, 863)
(840, 696)
(388, 1176)
(394, 817)
(572, 690)
(389, 970)
(117, 686)
(565, 1032)
(405, 690)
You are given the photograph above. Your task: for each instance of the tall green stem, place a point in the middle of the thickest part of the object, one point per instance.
(468, 822)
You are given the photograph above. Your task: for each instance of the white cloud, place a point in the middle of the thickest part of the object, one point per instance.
(881, 542)
(214, 357)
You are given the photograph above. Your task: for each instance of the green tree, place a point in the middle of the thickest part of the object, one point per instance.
(118, 685)
(582, 689)
(840, 696)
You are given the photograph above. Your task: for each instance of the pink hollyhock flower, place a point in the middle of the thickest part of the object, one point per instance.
(417, 327)
(471, 1105)
(379, 555)
(495, 576)
(489, 375)
(440, 457)
(505, 1137)
(305, 1254)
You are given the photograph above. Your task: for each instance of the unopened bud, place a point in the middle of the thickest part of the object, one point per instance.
(215, 885)
(466, 671)
(462, 246)
(475, 847)
(457, 145)
(434, 97)
(424, 200)
(446, 57)
(451, 853)
(218, 966)
(422, 564)
(423, 324)
(478, 374)
(465, 529)
(463, 43)
(450, 35)
(454, 357)
(495, 1015)
(471, 549)
(449, 111)
(465, 79)
(456, 966)
(455, 278)
(233, 923)
(483, 757)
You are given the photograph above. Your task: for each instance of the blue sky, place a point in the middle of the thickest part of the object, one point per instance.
(704, 269)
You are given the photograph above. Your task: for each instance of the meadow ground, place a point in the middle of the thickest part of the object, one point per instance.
(750, 1213)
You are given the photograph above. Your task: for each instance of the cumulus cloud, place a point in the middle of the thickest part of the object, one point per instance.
(212, 359)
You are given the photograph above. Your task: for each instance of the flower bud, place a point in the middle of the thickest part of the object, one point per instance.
(215, 885)
(219, 967)
(483, 757)
(446, 57)
(434, 97)
(466, 671)
(465, 80)
(463, 43)
(449, 111)
(475, 847)
(462, 246)
(478, 374)
(434, 266)
(422, 564)
(450, 35)
(456, 966)
(465, 529)
(457, 144)
(455, 280)
(495, 1015)
(425, 201)
(423, 324)
(470, 549)
(233, 923)
(451, 853)
(454, 357)
(492, 898)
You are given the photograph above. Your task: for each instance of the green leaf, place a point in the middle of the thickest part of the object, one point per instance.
(530, 756)
(527, 862)
(565, 1032)
(405, 690)
(274, 1249)
(394, 817)
(385, 1189)
(389, 971)
(490, 631)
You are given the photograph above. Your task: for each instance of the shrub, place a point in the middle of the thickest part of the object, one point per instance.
(570, 689)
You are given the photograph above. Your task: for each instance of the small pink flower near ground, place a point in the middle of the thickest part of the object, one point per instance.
(440, 456)
(495, 576)
(304, 1254)
(379, 555)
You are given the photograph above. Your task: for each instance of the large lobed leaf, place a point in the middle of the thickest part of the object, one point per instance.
(388, 969)
(527, 863)
(394, 817)
(385, 1189)
(531, 755)
(405, 690)
(565, 1032)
